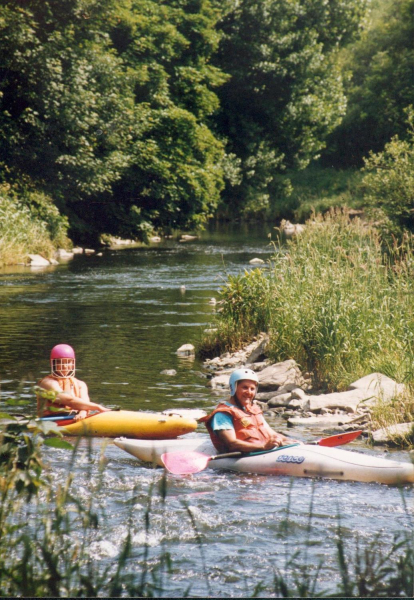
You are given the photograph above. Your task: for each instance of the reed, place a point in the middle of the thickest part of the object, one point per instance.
(332, 299)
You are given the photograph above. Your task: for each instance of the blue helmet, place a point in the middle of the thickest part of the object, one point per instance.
(240, 374)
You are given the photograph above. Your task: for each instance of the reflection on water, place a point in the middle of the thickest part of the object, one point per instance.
(126, 314)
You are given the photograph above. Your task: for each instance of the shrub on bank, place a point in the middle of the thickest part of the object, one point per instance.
(30, 224)
(332, 300)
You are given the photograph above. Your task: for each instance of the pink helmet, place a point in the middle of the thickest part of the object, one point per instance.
(59, 357)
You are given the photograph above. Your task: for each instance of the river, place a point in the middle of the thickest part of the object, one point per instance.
(126, 313)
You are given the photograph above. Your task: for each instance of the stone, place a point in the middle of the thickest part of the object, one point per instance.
(36, 260)
(155, 239)
(378, 386)
(348, 401)
(188, 238)
(320, 421)
(256, 349)
(220, 381)
(299, 394)
(186, 350)
(279, 374)
(63, 254)
(388, 434)
(89, 251)
(171, 372)
(77, 250)
(280, 400)
(258, 366)
(299, 404)
(256, 261)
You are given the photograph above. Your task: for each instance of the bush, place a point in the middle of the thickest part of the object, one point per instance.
(31, 225)
(388, 184)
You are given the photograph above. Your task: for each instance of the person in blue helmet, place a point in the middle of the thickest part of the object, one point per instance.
(238, 423)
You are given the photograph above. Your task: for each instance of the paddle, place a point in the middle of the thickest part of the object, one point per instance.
(185, 463)
(57, 418)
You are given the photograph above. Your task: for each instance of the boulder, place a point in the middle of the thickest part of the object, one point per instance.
(378, 386)
(348, 401)
(38, 261)
(279, 374)
(186, 350)
(280, 400)
(256, 261)
(321, 421)
(221, 381)
(393, 432)
(299, 404)
(63, 254)
(257, 348)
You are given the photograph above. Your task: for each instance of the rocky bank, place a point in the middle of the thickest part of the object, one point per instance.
(286, 391)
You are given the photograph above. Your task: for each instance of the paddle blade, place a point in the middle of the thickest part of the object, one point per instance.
(184, 463)
(339, 440)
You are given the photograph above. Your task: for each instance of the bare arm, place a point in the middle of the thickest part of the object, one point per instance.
(79, 403)
(279, 438)
(228, 436)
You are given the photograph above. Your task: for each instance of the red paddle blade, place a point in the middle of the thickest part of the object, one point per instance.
(338, 440)
(184, 463)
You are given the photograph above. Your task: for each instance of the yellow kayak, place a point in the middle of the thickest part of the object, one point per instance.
(128, 423)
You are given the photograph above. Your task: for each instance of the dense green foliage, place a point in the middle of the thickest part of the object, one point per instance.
(95, 110)
(135, 115)
(285, 93)
(331, 300)
(388, 184)
(380, 84)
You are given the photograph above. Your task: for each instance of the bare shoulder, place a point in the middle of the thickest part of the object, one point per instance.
(48, 383)
(82, 385)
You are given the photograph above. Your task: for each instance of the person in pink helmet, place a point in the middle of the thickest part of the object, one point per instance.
(71, 393)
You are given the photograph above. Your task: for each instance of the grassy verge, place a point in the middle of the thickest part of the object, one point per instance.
(332, 299)
(29, 224)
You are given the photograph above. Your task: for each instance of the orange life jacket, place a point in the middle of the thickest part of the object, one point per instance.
(67, 384)
(249, 425)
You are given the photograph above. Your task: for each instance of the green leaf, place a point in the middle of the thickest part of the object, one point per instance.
(58, 443)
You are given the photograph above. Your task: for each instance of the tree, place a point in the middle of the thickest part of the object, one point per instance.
(285, 94)
(105, 106)
(380, 88)
(388, 183)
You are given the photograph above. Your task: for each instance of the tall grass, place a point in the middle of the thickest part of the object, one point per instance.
(29, 225)
(332, 299)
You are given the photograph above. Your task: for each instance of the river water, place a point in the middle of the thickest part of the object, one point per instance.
(126, 313)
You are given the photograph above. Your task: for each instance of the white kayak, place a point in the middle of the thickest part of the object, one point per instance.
(299, 460)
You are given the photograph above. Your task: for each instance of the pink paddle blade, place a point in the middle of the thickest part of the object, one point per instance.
(339, 440)
(184, 463)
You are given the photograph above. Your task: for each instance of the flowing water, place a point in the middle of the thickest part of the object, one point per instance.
(126, 313)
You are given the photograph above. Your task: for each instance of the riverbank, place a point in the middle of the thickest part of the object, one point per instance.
(334, 301)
